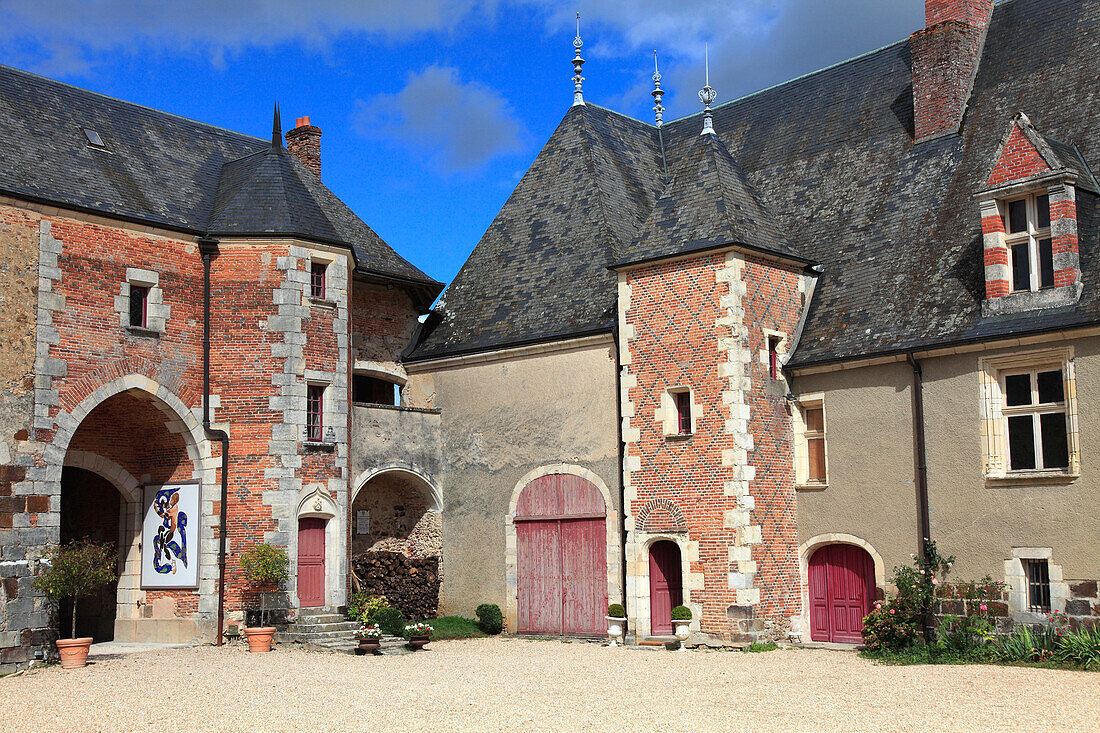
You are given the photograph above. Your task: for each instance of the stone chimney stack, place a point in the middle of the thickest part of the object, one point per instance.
(945, 61)
(304, 141)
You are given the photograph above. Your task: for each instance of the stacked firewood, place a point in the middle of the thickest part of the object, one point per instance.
(409, 585)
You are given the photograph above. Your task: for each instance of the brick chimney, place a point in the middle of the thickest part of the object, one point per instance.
(945, 60)
(305, 142)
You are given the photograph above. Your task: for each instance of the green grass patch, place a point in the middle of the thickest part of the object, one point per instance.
(761, 646)
(455, 627)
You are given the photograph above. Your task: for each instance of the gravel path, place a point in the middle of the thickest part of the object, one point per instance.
(520, 685)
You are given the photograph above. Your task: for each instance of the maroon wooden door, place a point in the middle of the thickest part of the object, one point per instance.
(561, 553)
(665, 586)
(311, 562)
(842, 588)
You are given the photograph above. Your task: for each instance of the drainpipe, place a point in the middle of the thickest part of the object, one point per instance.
(208, 248)
(622, 467)
(921, 451)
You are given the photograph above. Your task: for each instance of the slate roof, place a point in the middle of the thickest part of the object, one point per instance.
(832, 160)
(163, 170)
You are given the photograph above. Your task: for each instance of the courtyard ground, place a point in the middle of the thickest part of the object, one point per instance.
(520, 685)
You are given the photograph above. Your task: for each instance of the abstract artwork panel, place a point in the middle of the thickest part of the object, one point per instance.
(170, 537)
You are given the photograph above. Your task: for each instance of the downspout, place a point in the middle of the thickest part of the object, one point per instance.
(208, 248)
(922, 453)
(622, 466)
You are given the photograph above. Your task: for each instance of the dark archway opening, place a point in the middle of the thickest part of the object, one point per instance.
(91, 509)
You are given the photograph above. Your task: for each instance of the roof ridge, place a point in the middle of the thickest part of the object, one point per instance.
(128, 103)
(590, 166)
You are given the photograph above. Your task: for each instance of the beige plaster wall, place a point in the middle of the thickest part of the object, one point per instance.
(869, 439)
(500, 421)
(871, 492)
(18, 297)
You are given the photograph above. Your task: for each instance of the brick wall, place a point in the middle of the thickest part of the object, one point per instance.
(700, 324)
(1019, 159)
(383, 320)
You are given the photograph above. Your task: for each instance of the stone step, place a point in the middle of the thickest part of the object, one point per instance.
(319, 611)
(301, 628)
(390, 646)
(324, 618)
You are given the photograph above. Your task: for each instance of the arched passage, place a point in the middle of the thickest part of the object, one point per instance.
(127, 437)
(396, 509)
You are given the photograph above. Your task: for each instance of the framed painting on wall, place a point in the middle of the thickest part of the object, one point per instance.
(170, 536)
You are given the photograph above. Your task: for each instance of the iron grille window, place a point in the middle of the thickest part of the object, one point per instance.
(1038, 585)
(139, 306)
(683, 412)
(317, 280)
(315, 399)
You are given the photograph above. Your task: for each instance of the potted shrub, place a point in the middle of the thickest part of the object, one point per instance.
(616, 622)
(369, 638)
(681, 620)
(265, 567)
(76, 570)
(418, 634)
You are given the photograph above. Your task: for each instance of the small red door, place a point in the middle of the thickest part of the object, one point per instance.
(842, 588)
(665, 586)
(561, 553)
(311, 562)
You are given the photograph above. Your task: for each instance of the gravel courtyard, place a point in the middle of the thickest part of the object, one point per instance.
(520, 685)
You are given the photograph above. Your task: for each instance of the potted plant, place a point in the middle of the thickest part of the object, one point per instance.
(616, 622)
(681, 620)
(369, 638)
(418, 634)
(265, 567)
(76, 570)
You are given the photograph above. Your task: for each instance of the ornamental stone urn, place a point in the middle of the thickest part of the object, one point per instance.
(681, 629)
(615, 626)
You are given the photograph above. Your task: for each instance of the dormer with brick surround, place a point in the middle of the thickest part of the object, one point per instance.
(945, 60)
(1029, 222)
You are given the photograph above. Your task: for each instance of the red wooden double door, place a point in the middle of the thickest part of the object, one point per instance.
(561, 553)
(842, 589)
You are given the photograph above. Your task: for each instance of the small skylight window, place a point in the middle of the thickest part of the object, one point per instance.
(93, 138)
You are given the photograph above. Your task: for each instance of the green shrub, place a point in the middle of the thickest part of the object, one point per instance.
(364, 608)
(1079, 647)
(616, 610)
(265, 566)
(681, 613)
(762, 646)
(1026, 644)
(888, 628)
(77, 570)
(391, 621)
(489, 618)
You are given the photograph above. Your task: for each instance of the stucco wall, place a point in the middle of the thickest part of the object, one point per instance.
(871, 491)
(501, 420)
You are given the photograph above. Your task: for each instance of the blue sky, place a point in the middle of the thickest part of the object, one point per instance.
(431, 109)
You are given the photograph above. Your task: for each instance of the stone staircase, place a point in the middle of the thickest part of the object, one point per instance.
(326, 629)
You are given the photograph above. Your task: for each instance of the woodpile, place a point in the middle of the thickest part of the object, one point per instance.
(409, 585)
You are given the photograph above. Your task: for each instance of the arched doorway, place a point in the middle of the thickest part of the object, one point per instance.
(91, 509)
(842, 589)
(665, 585)
(561, 553)
(311, 562)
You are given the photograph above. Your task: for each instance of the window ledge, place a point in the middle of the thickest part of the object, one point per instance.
(811, 487)
(1025, 301)
(312, 445)
(322, 302)
(679, 436)
(142, 331)
(1015, 478)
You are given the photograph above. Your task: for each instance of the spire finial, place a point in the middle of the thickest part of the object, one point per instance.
(578, 63)
(707, 97)
(277, 130)
(657, 92)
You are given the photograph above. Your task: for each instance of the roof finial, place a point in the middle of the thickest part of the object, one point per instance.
(707, 97)
(276, 130)
(578, 62)
(657, 93)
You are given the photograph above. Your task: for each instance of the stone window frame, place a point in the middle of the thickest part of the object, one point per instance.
(781, 354)
(1032, 235)
(324, 414)
(1060, 189)
(318, 257)
(994, 433)
(667, 414)
(801, 450)
(157, 311)
(1016, 581)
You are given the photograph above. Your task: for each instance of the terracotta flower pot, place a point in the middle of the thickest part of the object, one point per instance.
(259, 638)
(419, 641)
(74, 652)
(369, 646)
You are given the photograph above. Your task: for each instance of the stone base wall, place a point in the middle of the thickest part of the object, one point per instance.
(1082, 608)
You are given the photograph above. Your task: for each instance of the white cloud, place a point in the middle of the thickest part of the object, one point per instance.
(460, 126)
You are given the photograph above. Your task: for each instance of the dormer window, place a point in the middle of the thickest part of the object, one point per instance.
(1029, 242)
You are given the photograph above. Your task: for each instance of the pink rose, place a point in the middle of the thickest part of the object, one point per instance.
(935, 581)
(891, 610)
(983, 607)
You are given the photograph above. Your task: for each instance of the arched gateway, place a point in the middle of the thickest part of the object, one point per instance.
(842, 589)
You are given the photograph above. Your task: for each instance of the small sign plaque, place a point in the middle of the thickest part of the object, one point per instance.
(362, 521)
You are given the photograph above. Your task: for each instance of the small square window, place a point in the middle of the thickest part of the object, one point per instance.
(773, 357)
(93, 138)
(139, 306)
(315, 401)
(1038, 585)
(317, 280)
